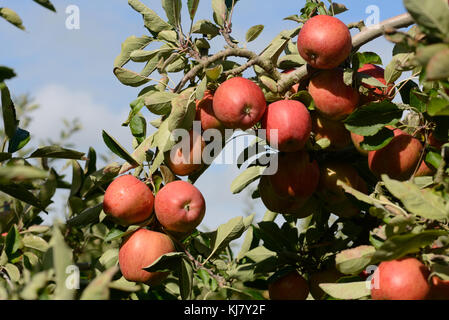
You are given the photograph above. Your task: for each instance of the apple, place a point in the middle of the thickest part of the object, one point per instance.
(141, 249)
(439, 289)
(291, 286)
(398, 159)
(333, 98)
(356, 140)
(402, 279)
(128, 200)
(183, 164)
(334, 131)
(291, 120)
(324, 42)
(425, 170)
(435, 142)
(376, 94)
(179, 207)
(324, 276)
(205, 113)
(239, 103)
(296, 176)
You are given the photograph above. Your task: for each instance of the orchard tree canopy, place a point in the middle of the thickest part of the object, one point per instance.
(350, 158)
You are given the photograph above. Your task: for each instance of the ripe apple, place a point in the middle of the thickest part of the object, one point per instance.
(180, 207)
(291, 120)
(334, 195)
(398, 159)
(439, 289)
(183, 164)
(356, 140)
(205, 113)
(435, 142)
(333, 98)
(324, 42)
(296, 176)
(291, 286)
(140, 250)
(324, 276)
(335, 131)
(239, 103)
(425, 170)
(376, 94)
(402, 279)
(128, 200)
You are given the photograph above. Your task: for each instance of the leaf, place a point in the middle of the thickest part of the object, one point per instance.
(183, 108)
(220, 10)
(438, 107)
(19, 191)
(422, 202)
(277, 46)
(46, 4)
(116, 148)
(32, 288)
(6, 73)
(115, 234)
(130, 45)
(369, 80)
(260, 254)
(19, 173)
(254, 32)
(368, 58)
(246, 177)
(354, 261)
(201, 89)
(337, 8)
(378, 141)
(207, 28)
(165, 263)
(124, 285)
(347, 291)
(215, 72)
(35, 242)
(12, 17)
(173, 11)
(433, 15)
(246, 245)
(109, 258)
(391, 70)
(130, 78)
(151, 20)
(371, 118)
(57, 152)
(13, 242)
(438, 66)
(99, 288)
(19, 140)
(9, 112)
(186, 279)
(399, 246)
(87, 216)
(193, 7)
(160, 102)
(13, 272)
(290, 61)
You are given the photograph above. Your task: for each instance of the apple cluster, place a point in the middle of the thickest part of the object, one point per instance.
(179, 207)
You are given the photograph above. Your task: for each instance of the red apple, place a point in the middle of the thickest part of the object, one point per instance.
(140, 250)
(425, 170)
(291, 120)
(435, 142)
(333, 98)
(398, 159)
(403, 279)
(334, 131)
(180, 207)
(291, 286)
(128, 200)
(183, 164)
(356, 140)
(324, 42)
(376, 94)
(239, 103)
(205, 113)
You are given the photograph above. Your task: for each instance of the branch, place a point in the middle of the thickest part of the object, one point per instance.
(366, 35)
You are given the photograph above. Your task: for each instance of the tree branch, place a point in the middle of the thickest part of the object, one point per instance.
(366, 35)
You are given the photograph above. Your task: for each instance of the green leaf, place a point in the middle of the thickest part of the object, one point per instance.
(337, 8)
(347, 291)
(371, 118)
(32, 288)
(12, 17)
(290, 61)
(151, 20)
(399, 246)
(438, 66)
(46, 4)
(19, 173)
(220, 11)
(115, 234)
(215, 72)
(183, 107)
(6, 73)
(260, 254)
(131, 45)
(77, 178)
(391, 70)
(422, 202)
(124, 285)
(116, 148)
(19, 191)
(254, 32)
(434, 159)
(369, 80)
(368, 58)
(246, 245)
(138, 126)
(13, 242)
(57, 152)
(354, 261)
(186, 279)
(193, 7)
(425, 53)
(166, 263)
(13, 272)
(130, 78)
(173, 11)
(9, 112)
(160, 102)
(201, 89)
(438, 107)
(278, 44)
(248, 176)
(87, 216)
(35, 242)
(19, 140)
(99, 288)
(378, 141)
(432, 15)
(109, 258)
(207, 28)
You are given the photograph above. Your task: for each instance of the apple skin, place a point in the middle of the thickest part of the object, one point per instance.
(141, 249)
(439, 289)
(292, 286)
(398, 159)
(294, 168)
(292, 121)
(180, 207)
(425, 170)
(128, 200)
(335, 131)
(333, 98)
(205, 113)
(356, 140)
(334, 195)
(434, 142)
(176, 164)
(402, 279)
(377, 94)
(324, 42)
(239, 103)
(324, 276)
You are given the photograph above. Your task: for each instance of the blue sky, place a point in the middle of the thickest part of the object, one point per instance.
(69, 72)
